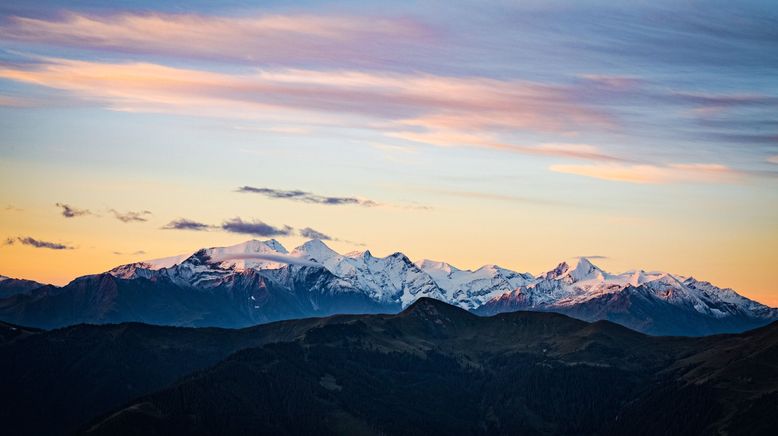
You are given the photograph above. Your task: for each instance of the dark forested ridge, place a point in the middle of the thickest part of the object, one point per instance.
(432, 369)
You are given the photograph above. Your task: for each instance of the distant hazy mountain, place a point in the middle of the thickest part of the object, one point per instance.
(260, 281)
(432, 369)
(9, 286)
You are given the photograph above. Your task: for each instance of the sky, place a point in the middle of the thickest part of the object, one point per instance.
(519, 133)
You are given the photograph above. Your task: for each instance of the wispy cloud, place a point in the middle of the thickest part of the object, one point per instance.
(255, 227)
(266, 39)
(13, 208)
(480, 196)
(694, 172)
(307, 197)
(37, 243)
(186, 224)
(426, 108)
(131, 216)
(773, 159)
(69, 211)
(134, 253)
(314, 234)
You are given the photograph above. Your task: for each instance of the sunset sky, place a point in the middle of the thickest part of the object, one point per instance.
(507, 132)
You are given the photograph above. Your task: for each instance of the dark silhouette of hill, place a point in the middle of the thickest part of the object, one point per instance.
(431, 369)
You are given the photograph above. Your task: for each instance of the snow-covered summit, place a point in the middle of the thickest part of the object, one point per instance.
(395, 280)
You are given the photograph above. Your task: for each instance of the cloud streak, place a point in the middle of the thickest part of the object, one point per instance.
(69, 211)
(314, 234)
(130, 216)
(255, 227)
(37, 243)
(186, 224)
(653, 174)
(307, 197)
(442, 111)
(266, 39)
(426, 108)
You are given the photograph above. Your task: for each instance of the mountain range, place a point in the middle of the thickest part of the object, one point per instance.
(261, 281)
(433, 368)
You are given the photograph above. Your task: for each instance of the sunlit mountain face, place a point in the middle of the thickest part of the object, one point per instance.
(461, 217)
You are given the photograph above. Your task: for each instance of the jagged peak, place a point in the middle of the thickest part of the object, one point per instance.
(584, 262)
(277, 246)
(559, 271)
(401, 257)
(586, 270)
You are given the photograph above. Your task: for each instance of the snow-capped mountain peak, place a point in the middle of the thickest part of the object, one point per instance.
(274, 245)
(558, 272)
(585, 270)
(470, 289)
(433, 265)
(315, 249)
(396, 281)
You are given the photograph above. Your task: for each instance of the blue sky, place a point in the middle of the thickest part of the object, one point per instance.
(518, 133)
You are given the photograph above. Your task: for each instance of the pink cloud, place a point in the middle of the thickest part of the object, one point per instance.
(263, 39)
(653, 174)
(437, 110)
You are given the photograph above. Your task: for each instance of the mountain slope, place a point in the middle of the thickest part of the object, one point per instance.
(439, 367)
(651, 302)
(10, 286)
(237, 299)
(55, 381)
(445, 371)
(730, 386)
(470, 289)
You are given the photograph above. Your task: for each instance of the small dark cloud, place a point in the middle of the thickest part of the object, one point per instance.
(307, 197)
(715, 100)
(255, 227)
(13, 208)
(130, 216)
(314, 234)
(69, 211)
(186, 224)
(591, 257)
(37, 243)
